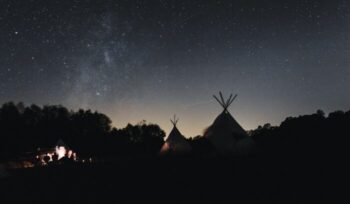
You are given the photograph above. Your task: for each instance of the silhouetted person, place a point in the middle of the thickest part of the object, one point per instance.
(55, 157)
(47, 159)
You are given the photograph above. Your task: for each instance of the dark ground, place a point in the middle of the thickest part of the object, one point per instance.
(249, 180)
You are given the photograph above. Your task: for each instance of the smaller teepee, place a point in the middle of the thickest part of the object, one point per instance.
(176, 143)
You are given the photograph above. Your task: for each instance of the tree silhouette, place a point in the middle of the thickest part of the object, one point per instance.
(90, 134)
(147, 139)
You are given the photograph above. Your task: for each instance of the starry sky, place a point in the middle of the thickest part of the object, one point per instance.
(147, 60)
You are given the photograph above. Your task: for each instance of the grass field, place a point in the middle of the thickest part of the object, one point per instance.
(183, 180)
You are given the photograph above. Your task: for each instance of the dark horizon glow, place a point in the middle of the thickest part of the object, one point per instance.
(135, 60)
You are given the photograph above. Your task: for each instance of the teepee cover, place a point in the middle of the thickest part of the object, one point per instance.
(225, 130)
(176, 142)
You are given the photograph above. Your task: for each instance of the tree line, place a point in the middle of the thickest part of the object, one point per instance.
(27, 128)
(314, 140)
(90, 133)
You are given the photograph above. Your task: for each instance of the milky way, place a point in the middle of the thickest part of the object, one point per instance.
(136, 60)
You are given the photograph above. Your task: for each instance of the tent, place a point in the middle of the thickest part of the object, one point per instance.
(227, 136)
(175, 143)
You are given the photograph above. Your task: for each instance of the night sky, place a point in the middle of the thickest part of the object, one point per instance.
(135, 60)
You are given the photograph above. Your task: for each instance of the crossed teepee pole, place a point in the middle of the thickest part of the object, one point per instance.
(225, 103)
(174, 120)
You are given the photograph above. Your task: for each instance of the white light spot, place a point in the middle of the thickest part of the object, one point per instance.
(61, 152)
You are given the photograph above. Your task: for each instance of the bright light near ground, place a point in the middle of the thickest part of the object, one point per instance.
(61, 152)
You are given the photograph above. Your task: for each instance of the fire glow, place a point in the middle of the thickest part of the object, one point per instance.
(61, 151)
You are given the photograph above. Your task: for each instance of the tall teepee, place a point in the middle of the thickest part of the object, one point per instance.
(175, 143)
(225, 133)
